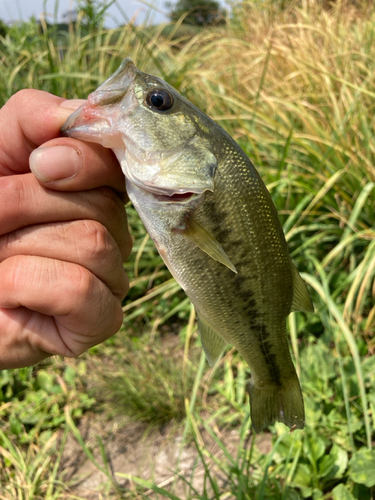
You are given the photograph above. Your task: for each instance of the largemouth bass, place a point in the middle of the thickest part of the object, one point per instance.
(214, 224)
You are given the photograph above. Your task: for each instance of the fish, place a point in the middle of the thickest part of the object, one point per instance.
(214, 224)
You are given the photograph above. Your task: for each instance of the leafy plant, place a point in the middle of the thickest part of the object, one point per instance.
(296, 90)
(35, 409)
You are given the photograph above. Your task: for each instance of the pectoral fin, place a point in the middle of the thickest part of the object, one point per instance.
(198, 235)
(213, 344)
(301, 297)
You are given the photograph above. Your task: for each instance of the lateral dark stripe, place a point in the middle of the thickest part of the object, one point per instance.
(217, 215)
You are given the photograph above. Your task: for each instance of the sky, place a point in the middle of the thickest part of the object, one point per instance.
(12, 10)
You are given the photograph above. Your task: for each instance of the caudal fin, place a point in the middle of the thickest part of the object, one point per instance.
(277, 403)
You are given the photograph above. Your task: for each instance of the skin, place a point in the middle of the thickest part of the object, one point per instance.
(63, 235)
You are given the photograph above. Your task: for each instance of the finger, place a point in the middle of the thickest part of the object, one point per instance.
(85, 242)
(17, 346)
(27, 120)
(67, 164)
(24, 202)
(83, 309)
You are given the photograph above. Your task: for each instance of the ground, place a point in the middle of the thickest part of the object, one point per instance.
(135, 450)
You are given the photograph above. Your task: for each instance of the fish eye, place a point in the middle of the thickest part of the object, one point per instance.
(159, 99)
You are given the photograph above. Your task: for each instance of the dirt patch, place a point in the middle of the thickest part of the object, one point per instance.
(134, 450)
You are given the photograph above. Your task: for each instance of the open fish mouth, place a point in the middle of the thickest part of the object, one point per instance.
(168, 195)
(89, 124)
(176, 197)
(68, 126)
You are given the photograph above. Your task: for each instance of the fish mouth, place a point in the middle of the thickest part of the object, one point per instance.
(91, 121)
(85, 124)
(70, 123)
(175, 197)
(90, 124)
(166, 195)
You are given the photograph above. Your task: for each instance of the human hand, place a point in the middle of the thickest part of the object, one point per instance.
(63, 235)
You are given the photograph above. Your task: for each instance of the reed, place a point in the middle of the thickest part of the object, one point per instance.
(295, 87)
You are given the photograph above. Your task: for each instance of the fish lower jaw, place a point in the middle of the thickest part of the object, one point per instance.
(171, 197)
(175, 197)
(166, 195)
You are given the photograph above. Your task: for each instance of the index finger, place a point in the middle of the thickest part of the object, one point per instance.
(30, 122)
(27, 120)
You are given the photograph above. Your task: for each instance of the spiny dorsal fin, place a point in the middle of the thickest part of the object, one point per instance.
(198, 235)
(213, 344)
(301, 297)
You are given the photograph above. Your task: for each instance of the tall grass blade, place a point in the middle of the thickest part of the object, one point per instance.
(351, 344)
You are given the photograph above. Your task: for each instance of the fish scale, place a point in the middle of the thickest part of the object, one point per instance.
(214, 224)
(252, 295)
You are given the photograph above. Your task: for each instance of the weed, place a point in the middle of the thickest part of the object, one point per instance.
(295, 88)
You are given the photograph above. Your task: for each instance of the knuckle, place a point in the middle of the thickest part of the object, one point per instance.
(99, 246)
(19, 100)
(84, 284)
(98, 242)
(113, 216)
(22, 96)
(104, 251)
(98, 251)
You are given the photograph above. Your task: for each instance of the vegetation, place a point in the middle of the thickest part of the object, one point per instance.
(296, 89)
(197, 12)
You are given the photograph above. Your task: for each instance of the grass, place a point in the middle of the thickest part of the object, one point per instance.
(296, 89)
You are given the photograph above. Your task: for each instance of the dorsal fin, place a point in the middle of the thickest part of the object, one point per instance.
(301, 297)
(213, 344)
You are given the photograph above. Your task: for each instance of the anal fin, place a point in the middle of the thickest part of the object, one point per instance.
(213, 344)
(301, 297)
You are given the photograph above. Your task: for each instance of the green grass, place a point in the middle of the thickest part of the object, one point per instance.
(296, 89)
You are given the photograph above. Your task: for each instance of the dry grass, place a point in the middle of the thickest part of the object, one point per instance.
(296, 89)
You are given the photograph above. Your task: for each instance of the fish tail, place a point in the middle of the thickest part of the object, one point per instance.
(282, 403)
